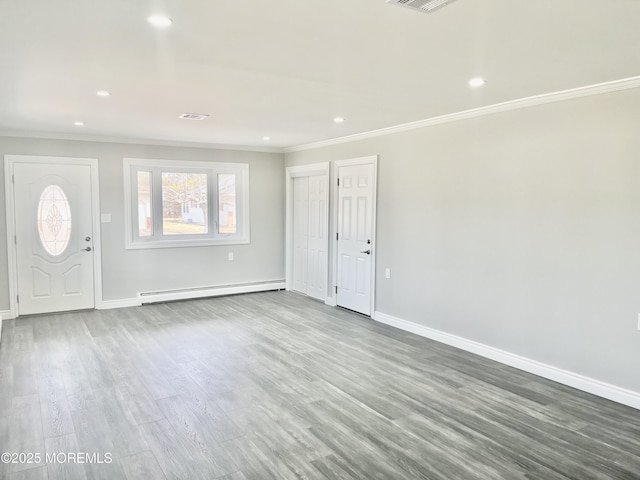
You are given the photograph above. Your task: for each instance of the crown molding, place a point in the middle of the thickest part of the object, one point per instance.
(135, 141)
(560, 96)
(590, 90)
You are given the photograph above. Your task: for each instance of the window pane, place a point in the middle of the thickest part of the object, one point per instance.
(145, 225)
(54, 220)
(227, 216)
(184, 203)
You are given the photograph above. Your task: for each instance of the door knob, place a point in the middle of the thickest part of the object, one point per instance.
(88, 249)
(368, 252)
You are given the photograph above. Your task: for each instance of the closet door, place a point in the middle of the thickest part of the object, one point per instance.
(300, 234)
(310, 235)
(317, 258)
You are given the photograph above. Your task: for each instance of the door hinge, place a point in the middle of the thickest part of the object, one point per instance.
(15, 239)
(17, 298)
(337, 236)
(13, 179)
(338, 182)
(336, 289)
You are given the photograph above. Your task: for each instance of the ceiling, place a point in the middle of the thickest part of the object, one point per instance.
(285, 68)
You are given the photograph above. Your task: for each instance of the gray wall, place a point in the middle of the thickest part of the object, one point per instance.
(519, 230)
(126, 272)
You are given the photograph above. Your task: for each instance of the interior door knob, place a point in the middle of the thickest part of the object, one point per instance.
(368, 252)
(88, 249)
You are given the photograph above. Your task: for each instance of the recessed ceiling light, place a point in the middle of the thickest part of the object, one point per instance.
(266, 138)
(477, 82)
(193, 116)
(159, 21)
(78, 124)
(425, 6)
(103, 93)
(338, 119)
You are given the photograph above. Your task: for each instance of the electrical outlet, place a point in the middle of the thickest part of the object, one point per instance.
(387, 273)
(230, 256)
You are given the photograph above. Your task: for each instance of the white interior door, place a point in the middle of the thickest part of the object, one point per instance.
(318, 237)
(300, 234)
(310, 235)
(53, 228)
(355, 236)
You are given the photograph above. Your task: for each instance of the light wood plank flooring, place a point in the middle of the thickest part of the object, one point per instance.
(278, 386)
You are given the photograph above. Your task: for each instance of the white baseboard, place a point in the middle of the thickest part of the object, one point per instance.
(122, 303)
(331, 301)
(214, 291)
(586, 384)
(186, 294)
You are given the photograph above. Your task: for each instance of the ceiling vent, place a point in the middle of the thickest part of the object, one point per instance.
(426, 6)
(193, 116)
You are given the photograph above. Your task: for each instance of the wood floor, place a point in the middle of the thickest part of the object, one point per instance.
(278, 386)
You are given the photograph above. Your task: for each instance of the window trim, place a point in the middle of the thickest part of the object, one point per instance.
(134, 242)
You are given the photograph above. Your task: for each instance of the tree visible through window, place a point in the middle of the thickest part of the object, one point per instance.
(184, 203)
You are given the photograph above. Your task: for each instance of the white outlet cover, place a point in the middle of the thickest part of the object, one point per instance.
(387, 273)
(230, 256)
(105, 218)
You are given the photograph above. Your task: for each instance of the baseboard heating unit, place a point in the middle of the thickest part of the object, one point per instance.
(211, 291)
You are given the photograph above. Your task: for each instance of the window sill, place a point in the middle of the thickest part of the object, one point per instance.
(184, 243)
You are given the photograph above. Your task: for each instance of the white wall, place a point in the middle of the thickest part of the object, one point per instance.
(126, 272)
(518, 230)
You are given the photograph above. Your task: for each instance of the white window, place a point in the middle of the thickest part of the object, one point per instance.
(174, 203)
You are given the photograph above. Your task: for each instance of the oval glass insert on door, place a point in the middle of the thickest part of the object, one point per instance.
(54, 220)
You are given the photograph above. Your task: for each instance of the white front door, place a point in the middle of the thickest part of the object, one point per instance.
(53, 230)
(355, 236)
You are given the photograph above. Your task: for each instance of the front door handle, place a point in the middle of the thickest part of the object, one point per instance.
(88, 249)
(368, 252)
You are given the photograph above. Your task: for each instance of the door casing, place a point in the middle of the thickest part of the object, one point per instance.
(9, 162)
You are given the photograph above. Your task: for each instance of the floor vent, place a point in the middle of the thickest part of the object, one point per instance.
(426, 6)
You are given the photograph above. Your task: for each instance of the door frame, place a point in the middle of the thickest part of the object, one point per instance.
(9, 162)
(296, 172)
(373, 160)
